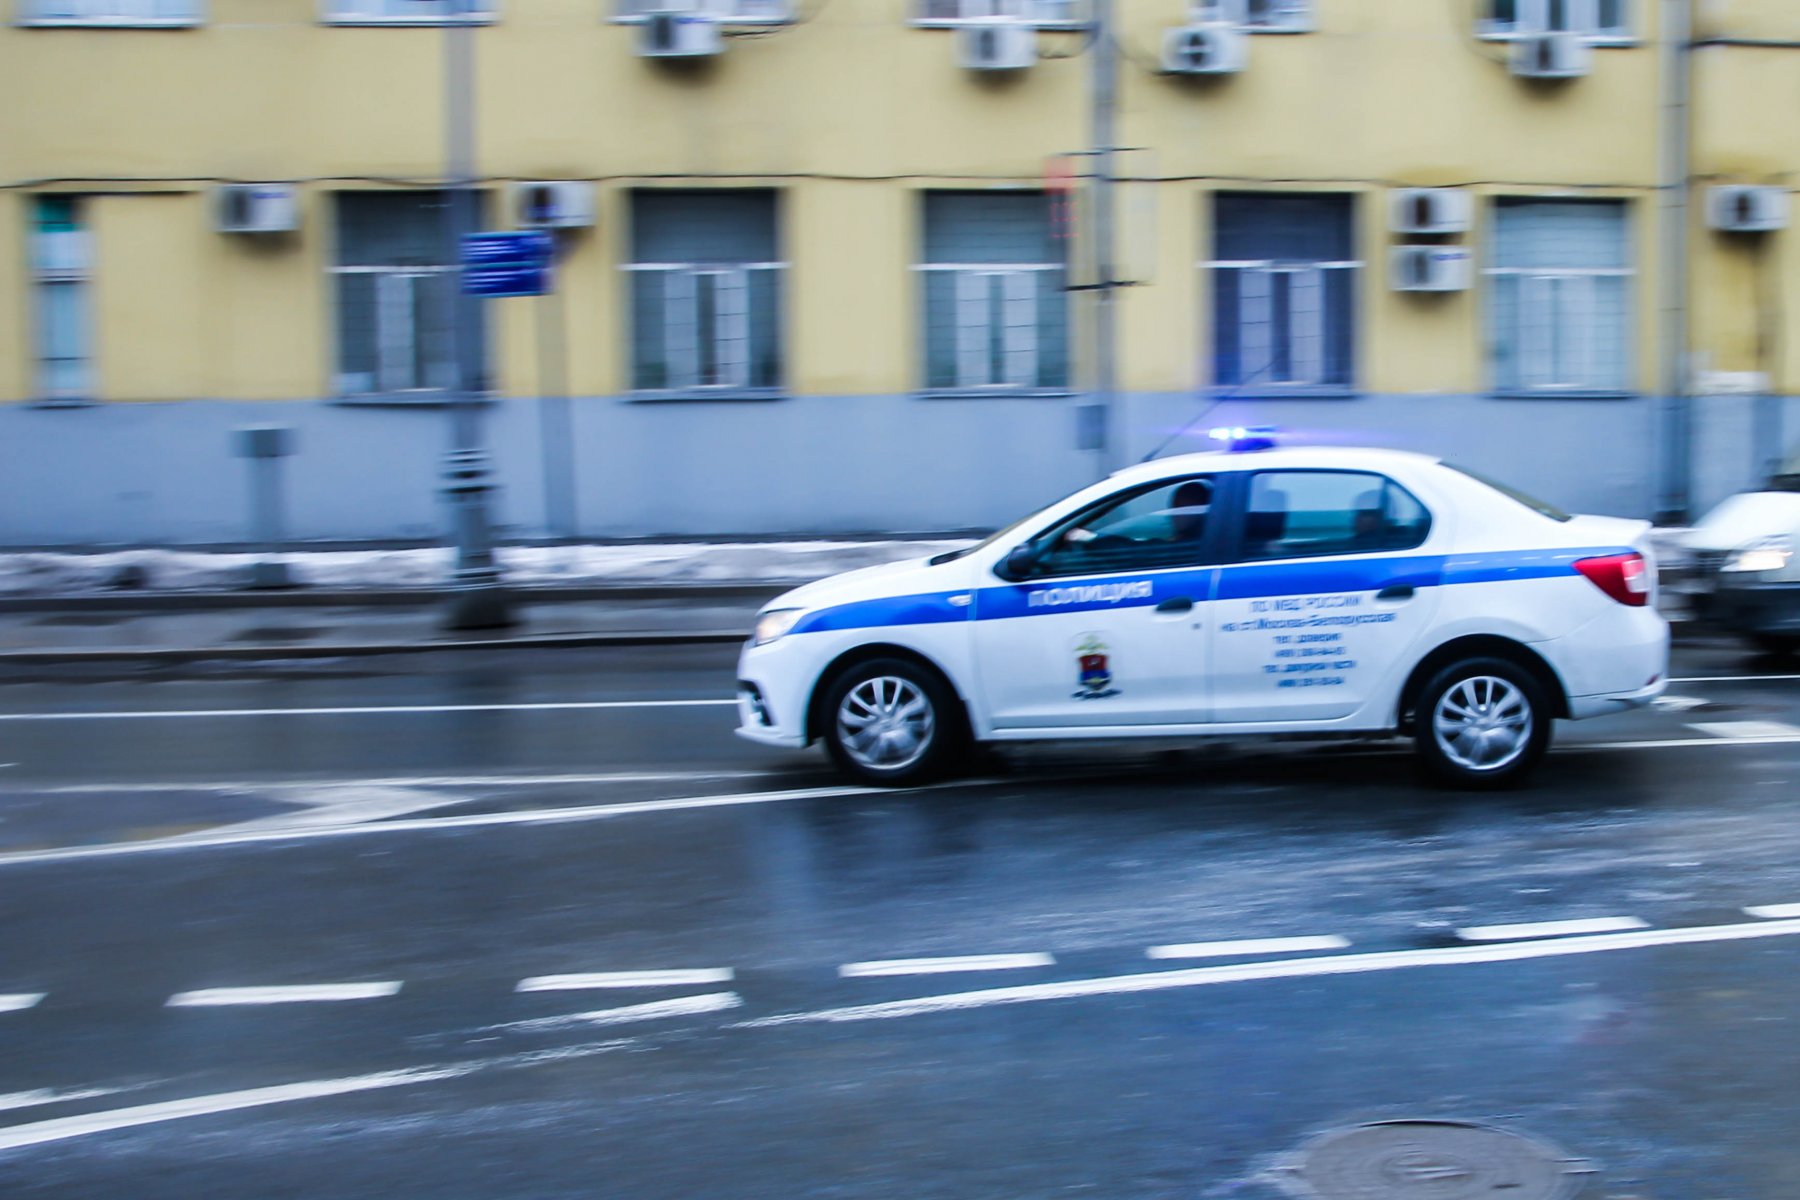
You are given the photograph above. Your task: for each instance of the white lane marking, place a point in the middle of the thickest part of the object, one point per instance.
(63, 1128)
(1537, 929)
(19, 1001)
(625, 979)
(1733, 678)
(338, 806)
(302, 993)
(533, 816)
(944, 966)
(1678, 703)
(44, 1096)
(1291, 968)
(656, 1010)
(1774, 911)
(381, 710)
(1291, 945)
(1675, 743)
(1747, 729)
(279, 786)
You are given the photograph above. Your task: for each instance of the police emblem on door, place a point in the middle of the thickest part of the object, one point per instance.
(1093, 668)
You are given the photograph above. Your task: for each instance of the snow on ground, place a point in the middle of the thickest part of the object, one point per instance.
(58, 573)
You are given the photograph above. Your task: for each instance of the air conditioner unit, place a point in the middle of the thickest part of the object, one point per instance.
(679, 35)
(555, 205)
(1737, 209)
(1208, 49)
(1552, 56)
(996, 44)
(256, 208)
(1430, 269)
(1430, 211)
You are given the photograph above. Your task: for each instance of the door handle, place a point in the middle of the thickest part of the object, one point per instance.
(1396, 591)
(1175, 605)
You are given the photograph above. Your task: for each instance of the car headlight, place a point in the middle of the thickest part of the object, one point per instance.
(773, 624)
(1766, 554)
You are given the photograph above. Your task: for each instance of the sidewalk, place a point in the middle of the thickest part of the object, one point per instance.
(667, 599)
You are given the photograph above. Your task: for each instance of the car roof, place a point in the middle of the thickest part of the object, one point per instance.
(1360, 458)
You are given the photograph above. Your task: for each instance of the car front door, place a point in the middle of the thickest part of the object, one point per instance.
(1107, 626)
(1324, 591)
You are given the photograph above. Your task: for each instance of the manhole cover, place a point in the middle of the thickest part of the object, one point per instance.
(1435, 1160)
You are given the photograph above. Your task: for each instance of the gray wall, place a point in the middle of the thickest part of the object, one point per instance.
(164, 473)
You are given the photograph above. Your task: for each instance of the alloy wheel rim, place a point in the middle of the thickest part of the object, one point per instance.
(886, 723)
(1483, 723)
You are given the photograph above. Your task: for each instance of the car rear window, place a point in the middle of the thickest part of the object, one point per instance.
(1540, 507)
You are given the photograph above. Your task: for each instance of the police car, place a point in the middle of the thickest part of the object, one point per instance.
(1259, 590)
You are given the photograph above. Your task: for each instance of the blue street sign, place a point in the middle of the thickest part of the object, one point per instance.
(506, 281)
(507, 264)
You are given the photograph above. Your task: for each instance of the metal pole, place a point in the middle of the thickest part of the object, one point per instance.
(554, 426)
(1675, 450)
(477, 600)
(1105, 98)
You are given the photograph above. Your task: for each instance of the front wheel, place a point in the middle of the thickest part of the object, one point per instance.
(892, 722)
(1482, 723)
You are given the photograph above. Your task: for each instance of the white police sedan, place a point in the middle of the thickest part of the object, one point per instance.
(1281, 591)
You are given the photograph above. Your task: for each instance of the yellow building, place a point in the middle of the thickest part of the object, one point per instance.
(829, 268)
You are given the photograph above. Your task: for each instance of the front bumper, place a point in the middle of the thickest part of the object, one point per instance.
(756, 719)
(1749, 607)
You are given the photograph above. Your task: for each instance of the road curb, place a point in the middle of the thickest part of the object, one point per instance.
(547, 641)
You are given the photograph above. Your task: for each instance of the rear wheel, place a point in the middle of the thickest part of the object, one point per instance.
(892, 722)
(1482, 723)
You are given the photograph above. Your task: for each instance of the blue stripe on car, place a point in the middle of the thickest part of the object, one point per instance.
(1243, 581)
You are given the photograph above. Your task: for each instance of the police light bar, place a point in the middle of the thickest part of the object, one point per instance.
(1241, 439)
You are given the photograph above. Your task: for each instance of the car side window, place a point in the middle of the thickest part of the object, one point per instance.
(1303, 514)
(1160, 526)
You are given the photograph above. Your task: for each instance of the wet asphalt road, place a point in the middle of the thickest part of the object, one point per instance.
(488, 836)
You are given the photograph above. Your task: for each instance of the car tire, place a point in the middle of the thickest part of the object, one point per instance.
(1482, 723)
(893, 723)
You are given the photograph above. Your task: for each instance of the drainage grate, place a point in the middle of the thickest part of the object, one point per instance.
(1434, 1160)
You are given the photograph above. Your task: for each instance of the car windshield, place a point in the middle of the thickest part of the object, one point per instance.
(1540, 507)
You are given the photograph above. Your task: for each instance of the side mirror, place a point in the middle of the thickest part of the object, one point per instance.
(1020, 561)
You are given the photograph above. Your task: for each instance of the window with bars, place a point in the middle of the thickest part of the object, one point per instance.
(395, 279)
(996, 315)
(62, 295)
(1603, 21)
(408, 12)
(1048, 13)
(1284, 288)
(706, 292)
(1559, 298)
(745, 12)
(110, 12)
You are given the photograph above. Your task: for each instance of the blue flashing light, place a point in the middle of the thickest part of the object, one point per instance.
(1242, 439)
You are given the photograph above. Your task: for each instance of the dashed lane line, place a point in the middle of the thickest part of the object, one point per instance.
(373, 710)
(656, 1010)
(19, 1001)
(626, 979)
(943, 966)
(43, 1097)
(1293, 968)
(1544, 929)
(1735, 678)
(1774, 911)
(1747, 729)
(39, 1133)
(305, 993)
(279, 786)
(1247, 946)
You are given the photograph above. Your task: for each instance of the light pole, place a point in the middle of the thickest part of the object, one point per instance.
(477, 599)
(1105, 82)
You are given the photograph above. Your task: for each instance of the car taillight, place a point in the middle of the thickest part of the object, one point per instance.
(1624, 577)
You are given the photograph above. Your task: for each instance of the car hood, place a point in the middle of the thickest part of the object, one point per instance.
(904, 578)
(1745, 518)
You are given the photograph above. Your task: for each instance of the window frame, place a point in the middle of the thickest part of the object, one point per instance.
(617, 15)
(481, 12)
(1235, 544)
(26, 18)
(78, 273)
(1301, 17)
(1628, 273)
(1532, 20)
(1081, 20)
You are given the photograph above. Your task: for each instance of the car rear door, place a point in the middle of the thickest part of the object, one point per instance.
(1323, 590)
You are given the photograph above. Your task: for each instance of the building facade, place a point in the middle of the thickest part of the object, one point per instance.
(834, 280)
